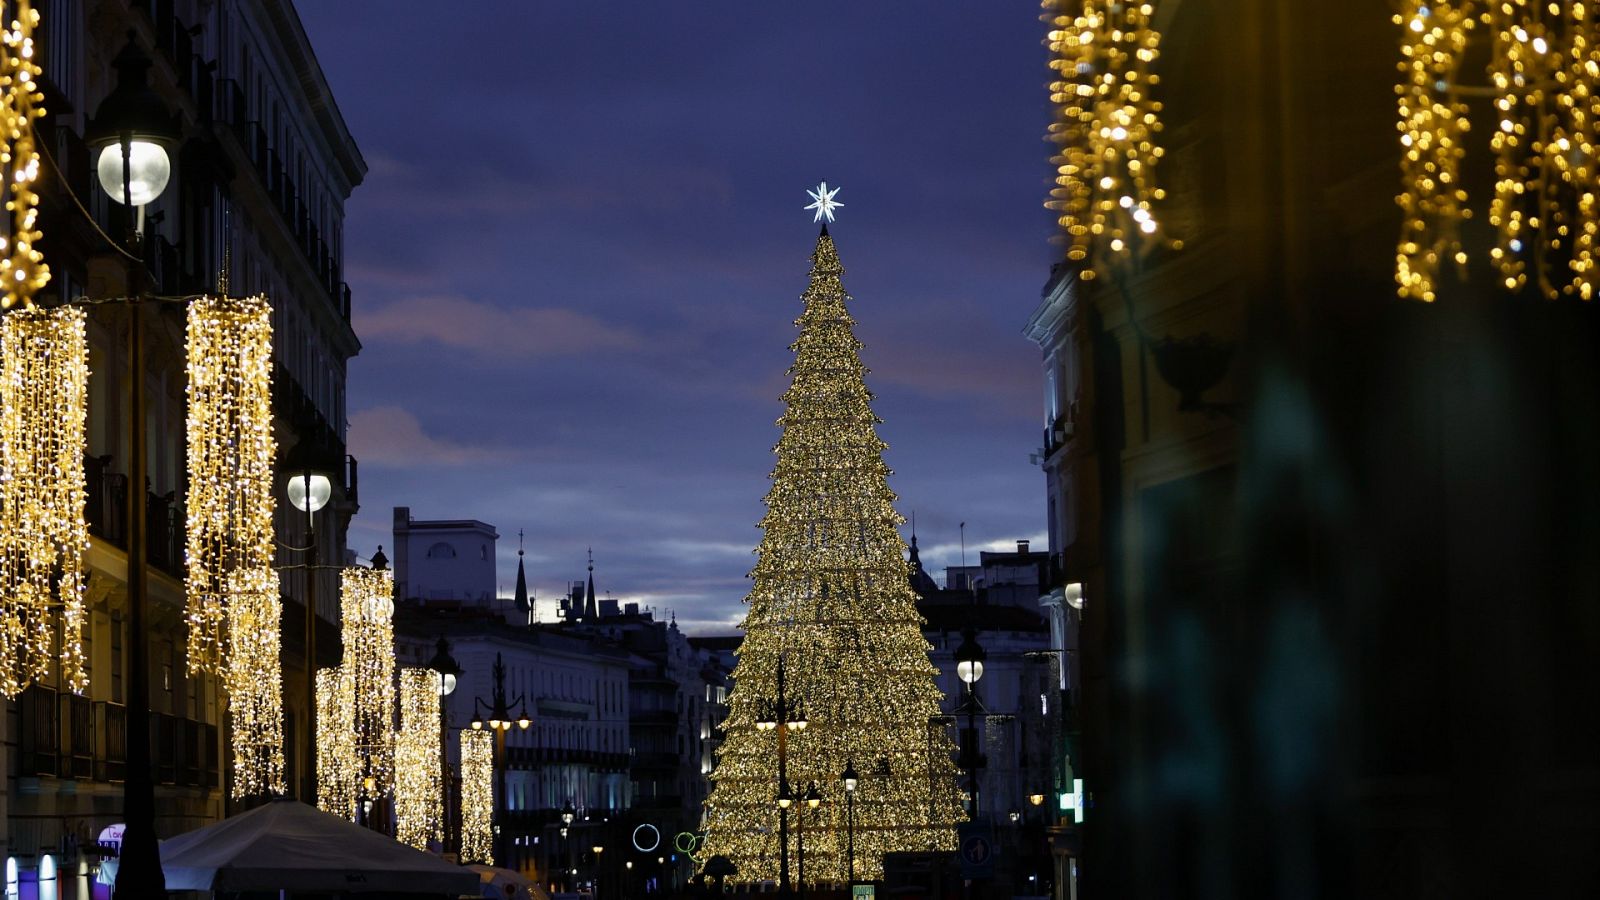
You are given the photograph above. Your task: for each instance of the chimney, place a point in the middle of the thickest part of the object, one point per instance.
(1022, 546)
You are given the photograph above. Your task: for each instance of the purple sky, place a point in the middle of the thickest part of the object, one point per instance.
(578, 255)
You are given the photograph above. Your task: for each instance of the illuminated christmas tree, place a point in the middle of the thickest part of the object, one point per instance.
(832, 600)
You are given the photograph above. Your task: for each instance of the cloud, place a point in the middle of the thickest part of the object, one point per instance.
(391, 436)
(488, 330)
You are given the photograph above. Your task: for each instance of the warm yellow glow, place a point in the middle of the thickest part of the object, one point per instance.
(44, 378)
(1106, 128)
(416, 759)
(367, 610)
(22, 268)
(338, 766)
(254, 683)
(1542, 105)
(230, 460)
(477, 797)
(831, 590)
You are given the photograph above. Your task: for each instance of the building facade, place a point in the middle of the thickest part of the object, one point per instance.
(258, 187)
(444, 559)
(1330, 620)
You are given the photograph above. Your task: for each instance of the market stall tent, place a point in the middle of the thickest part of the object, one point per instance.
(285, 845)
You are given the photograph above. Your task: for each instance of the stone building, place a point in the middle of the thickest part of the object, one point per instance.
(260, 180)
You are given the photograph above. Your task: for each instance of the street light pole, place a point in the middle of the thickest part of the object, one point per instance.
(969, 668)
(813, 798)
(449, 673)
(782, 717)
(131, 117)
(500, 720)
(850, 778)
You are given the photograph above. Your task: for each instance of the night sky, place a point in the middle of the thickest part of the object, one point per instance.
(579, 251)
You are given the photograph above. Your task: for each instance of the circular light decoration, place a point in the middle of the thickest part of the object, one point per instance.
(687, 842)
(646, 833)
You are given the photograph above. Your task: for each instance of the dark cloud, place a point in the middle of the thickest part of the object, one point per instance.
(579, 250)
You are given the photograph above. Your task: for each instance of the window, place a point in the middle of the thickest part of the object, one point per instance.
(483, 551)
(441, 550)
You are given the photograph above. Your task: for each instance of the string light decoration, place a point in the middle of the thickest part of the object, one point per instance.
(254, 683)
(22, 268)
(477, 796)
(1433, 128)
(416, 765)
(230, 460)
(831, 595)
(44, 380)
(338, 766)
(368, 629)
(1107, 123)
(1543, 68)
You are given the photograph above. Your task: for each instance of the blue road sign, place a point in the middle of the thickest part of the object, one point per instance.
(976, 848)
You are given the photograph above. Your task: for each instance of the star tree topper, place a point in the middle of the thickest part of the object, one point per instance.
(825, 204)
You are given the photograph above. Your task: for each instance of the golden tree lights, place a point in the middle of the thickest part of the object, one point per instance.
(831, 594)
(230, 457)
(254, 681)
(1106, 128)
(1542, 74)
(367, 613)
(22, 268)
(477, 796)
(416, 759)
(44, 378)
(338, 767)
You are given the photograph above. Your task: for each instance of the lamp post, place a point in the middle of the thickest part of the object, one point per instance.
(131, 133)
(597, 851)
(813, 799)
(850, 778)
(449, 672)
(309, 491)
(969, 668)
(500, 720)
(781, 716)
(567, 815)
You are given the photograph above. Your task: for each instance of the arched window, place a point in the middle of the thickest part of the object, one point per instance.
(441, 550)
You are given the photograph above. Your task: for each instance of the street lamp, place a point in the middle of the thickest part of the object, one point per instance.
(449, 670)
(308, 490)
(783, 717)
(969, 668)
(812, 798)
(850, 778)
(500, 721)
(131, 116)
(597, 851)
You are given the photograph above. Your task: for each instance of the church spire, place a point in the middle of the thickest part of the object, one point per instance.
(522, 577)
(591, 608)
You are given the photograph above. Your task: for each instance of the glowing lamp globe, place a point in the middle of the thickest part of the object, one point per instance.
(309, 493)
(1074, 594)
(131, 133)
(447, 684)
(969, 657)
(148, 169)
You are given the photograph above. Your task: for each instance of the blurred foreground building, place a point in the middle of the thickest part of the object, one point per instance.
(1339, 626)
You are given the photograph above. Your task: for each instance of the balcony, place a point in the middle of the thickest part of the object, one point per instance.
(106, 510)
(71, 737)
